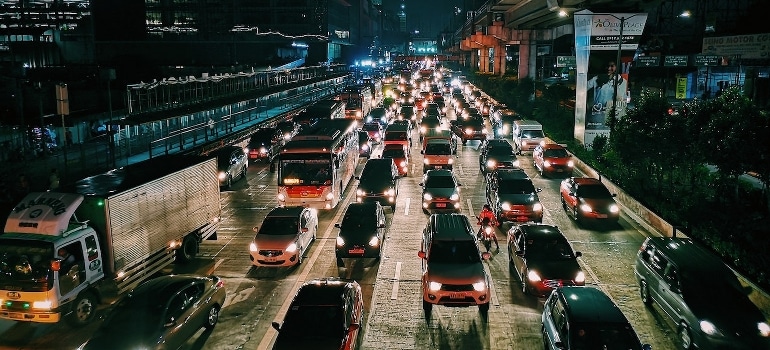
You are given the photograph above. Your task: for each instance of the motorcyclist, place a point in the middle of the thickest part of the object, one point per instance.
(488, 215)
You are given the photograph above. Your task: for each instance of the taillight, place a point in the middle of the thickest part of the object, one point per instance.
(220, 283)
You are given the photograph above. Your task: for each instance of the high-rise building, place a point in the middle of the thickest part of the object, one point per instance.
(402, 17)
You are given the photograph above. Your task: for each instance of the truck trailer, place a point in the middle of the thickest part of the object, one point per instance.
(64, 253)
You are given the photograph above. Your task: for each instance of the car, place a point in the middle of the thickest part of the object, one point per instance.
(541, 256)
(440, 191)
(161, 313)
(265, 144)
(513, 197)
(407, 112)
(399, 155)
(496, 154)
(586, 318)
(432, 109)
(587, 199)
(378, 182)
(288, 129)
(325, 313)
(398, 133)
(375, 131)
(504, 118)
(428, 123)
(453, 271)
(364, 144)
(232, 164)
(379, 115)
(469, 128)
(701, 294)
(284, 237)
(362, 232)
(553, 159)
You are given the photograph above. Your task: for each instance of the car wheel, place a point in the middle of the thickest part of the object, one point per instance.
(212, 318)
(644, 293)
(299, 256)
(484, 308)
(511, 265)
(563, 203)
(243, 173)
(83, 310)
(464, 141)
(426, 306)
(315, 231)
(685, 340)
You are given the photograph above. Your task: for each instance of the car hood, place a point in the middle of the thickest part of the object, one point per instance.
(734, 311)
(274, 241)
(525, 199)
(456, 273)
(372, 185)
(598, 203)
(557, 161)
(565, 269)
(440, 191)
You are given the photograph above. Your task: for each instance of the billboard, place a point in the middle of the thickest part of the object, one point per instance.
(602, 81)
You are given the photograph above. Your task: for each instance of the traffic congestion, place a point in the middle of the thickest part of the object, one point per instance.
(418, 214)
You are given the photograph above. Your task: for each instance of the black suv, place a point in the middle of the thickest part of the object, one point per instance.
(362, 232)
(586, 318)
(265, 144)
(513, 196)
(378, 182)
(496, 154)
(469, 128)
(232, 164)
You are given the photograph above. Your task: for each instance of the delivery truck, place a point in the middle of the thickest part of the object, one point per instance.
(62, 254)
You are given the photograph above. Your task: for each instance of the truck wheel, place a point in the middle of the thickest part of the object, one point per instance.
(188, 250)
(83, 310)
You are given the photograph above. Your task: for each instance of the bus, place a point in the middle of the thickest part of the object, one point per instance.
(358, 101)
(315, 167)
(322, 109)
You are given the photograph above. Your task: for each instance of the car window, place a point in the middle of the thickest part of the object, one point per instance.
(602, 336)
(393, 153)
(532, 134)
(311, 321)
(440, 182)
(556, 153)
(515, 187)
(551, 249)
(593, 191)
(453, 252)
(279, 225)
(499, 150)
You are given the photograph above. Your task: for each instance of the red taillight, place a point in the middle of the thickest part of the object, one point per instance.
(220, 283)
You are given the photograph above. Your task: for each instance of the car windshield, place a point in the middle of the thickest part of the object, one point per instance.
(532, 134)
(603, 336)
(357, 220)
(438, 149)
(135, 315)
(515, 187)
(593, 191)
(371, 127)
(396, 136)
(314, 321)
(549, 249)
(555, 153)
(393, 153)
(25, 264)
(440, 182)
(454, 252)
(500, 150)
(279, 225)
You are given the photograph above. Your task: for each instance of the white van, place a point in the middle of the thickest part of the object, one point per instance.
(527, 134)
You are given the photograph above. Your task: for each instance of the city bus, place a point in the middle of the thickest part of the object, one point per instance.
(321, 109)
(315, 167)
(358, 101)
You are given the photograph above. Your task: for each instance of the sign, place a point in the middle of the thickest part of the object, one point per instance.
(675, 61)
(565, 61)
(706, 60)
(681, 88)
(605, 29)
(750, 46)
(648, 61)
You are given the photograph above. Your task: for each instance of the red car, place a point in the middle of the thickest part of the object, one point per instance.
(587, 199)
(552, 159)
(399, 156)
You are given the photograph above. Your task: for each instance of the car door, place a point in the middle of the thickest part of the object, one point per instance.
(519, 260)
(569, 194)
(177, 322)
(672, 300)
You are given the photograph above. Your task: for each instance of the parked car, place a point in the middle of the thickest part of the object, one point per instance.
(161, 313)
(553, 159)
(440, 191)
(378, 182)
(325, 314)
(541, 256)
(362, 232)
(586, 198)
(284, 237)
(513, 197)
(496, 154)
(586, 318)
(400, 157)
(232, 164)
(364, 144)
(701, 294)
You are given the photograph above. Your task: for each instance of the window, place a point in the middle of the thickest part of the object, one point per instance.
(92, 248)
(658, 262)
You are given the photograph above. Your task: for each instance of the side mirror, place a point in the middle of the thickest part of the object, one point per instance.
(421, 254)
(276, 326)
(337, 225)
(578, 254)
(381, 225)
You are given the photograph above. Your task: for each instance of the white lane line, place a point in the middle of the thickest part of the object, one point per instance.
(470, 208)
(213, 268)
(406, 206)
(394, 293)
(460, 170)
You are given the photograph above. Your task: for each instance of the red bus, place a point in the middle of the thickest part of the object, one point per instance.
(358, 101)
(315, 167)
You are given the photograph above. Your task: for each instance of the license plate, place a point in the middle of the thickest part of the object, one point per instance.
(270, 259)
(440, 205)
(356, 251)
(456, 295)
(437, 167)
(601, 216)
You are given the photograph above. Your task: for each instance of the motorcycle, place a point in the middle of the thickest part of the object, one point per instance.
(486, 233)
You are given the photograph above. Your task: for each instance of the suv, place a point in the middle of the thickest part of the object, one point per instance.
(543, 258)
(586, 318)
(438, 154)
(552, 159)
(362, 232)
(284, 236)
(378, 182)
(452, 270)
(399, 155)
(440, 191)
(587, 198)
(232, 164)
(513, 197)
(496, 154)
(700, 294)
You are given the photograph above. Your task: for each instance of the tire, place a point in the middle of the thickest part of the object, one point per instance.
(229, 182)
(83, 310)
(685, 338)
(243, 173)
(212, 318)
(484, 308)
(644, 293)
(189, 249)
(426, 306)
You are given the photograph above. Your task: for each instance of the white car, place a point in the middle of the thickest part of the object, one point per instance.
(284, 237)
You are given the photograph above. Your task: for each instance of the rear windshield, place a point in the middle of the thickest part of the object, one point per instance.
(396, 136)
(593, 191)
(555, 153)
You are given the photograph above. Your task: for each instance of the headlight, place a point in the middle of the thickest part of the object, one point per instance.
(426, 161)
(537, 207)
(402, 164)
(491, 163)
(764, 329)
(364, 147)
(390, 192)
(506, 206)
(222, 176)
(479, 286)
(468, 131)
(42, 305)
(542, 143)
(427, 196)
(484, 131)
(423, 129)
(570, 164)
(581, 277)
(281, 197)
(546, 164)
(614, 208)
(374, 241)
(359, 192)
(252, 247)
(454, 197)
(488, 229)
(434, 286)
(450, 161)
(533, 276)
(291, 248)
(709, 328)
(585, 208)
(340, 241)
(329, 196)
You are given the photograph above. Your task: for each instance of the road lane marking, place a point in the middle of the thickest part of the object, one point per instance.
(216, 264)
(394, 293)
(460, 170)
(470, 207)
(406, 206)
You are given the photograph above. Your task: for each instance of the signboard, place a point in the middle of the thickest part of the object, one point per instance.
(648, 61)
(675, 61)
(565, 61)
(706, 60)
(606, 30)
(750, 46)
(681, 88)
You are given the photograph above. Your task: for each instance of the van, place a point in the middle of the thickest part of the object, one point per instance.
(453, 272)
(703, 297)
(397, 134)
(527, 134)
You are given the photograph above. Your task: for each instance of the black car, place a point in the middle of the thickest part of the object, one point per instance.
(364, 144)
(496, 154)
(288, 129)
(362, 232)
(162, 313)
(469, 128)
(513, 197)
(542, 258)
(232, 164)
(265, 144)
(440, 192)
(378, 182)
(429, 123)
(326, 313)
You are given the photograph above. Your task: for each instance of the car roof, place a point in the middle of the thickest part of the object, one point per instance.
(536, 230)
(361, 207)
(291, 211)
(586, 181)
(687, 255)
(322, 291)
(450, 226)
(164, 287)
(553, 146)
(507, 174)
(590, 305)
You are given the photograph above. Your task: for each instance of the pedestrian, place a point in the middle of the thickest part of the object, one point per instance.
(211, 126)
(53, 180)
(68, 137)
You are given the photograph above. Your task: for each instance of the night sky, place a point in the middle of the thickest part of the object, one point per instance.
(428, 16)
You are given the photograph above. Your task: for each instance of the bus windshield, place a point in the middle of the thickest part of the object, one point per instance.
(305, 172)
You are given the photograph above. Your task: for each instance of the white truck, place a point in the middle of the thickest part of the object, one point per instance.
(62, 254)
